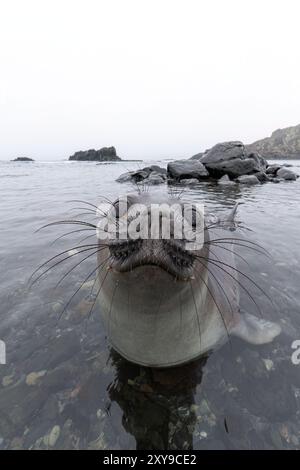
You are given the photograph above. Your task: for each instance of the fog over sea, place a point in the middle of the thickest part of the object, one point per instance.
(63, 387)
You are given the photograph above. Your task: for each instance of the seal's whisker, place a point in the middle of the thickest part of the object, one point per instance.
(67, 222)
(239, 283)
(77, 264)
(247, 277)
(91, 246)
(97, 295)
(219, 244)
(87, 209)
(180, 304)
(80, 214)
(59, 262)
(69, 233)
(111, 305)
(86, 238)
(219, 285)
(233, 253)
(216, 303)
(243, 240)
(89, 203)
(78, 289)
(196, 309)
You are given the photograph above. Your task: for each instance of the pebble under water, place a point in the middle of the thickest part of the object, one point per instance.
(63, 387)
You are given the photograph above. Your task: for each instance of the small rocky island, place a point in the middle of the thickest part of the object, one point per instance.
(105, 154)
(227, 163)
(23, 159)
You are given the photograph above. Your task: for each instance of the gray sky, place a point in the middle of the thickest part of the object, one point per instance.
(155, 78)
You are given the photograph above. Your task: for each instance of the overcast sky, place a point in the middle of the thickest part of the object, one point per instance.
(154, 78)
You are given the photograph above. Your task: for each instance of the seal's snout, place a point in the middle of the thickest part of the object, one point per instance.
(169, 255)
(122, 250)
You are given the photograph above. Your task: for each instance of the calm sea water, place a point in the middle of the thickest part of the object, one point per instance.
(63, 387)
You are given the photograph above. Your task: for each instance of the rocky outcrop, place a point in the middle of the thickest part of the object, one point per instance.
(225, 180)
(248, 179)
(286, 174)
(152, 175)
(227, 163)
(223, 152)
(232, 159)
(233, 162)
(197, 156)
(186, 169)
(23, 159)
(105, 154)
(283, 143)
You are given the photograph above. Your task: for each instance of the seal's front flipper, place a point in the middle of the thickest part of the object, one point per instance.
(255, 330)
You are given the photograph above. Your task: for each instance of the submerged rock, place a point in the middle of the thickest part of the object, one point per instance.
(248, 179)
(225, 180)
(33, 377)
(125, 177)
(153, 174)
(155, 178)
(189, 181)
(7, 380)
(51, 439)
(262, 177)
(286, 174)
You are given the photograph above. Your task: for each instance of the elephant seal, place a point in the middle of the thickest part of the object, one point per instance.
(164, 305)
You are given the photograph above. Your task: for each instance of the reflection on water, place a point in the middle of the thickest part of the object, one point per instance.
(158, 405)
(63, 387)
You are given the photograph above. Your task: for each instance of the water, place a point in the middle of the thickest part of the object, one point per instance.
(63, 387)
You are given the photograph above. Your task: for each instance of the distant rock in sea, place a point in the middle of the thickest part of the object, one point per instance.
(23, 159)
(105, 154)
(283, 143)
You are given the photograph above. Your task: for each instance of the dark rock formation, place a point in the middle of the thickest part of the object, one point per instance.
(248, 179)
(283, 143)
(182, 169)
(189, 181)
(286, 174)
(232, 159)
(228, 162)
(23, 159)
(197, 156)
(225, 180)
(223, 152)
(232, 168)
(153, 174)
(272, 169)
(106, 154)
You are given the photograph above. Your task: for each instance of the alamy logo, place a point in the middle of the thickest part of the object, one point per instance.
(2, 352)
(296, 354)
(154, 221)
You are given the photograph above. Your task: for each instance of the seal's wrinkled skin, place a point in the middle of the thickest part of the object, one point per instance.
(164, 306)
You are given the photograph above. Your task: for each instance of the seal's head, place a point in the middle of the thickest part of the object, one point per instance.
(156, 236)
(155, 281)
